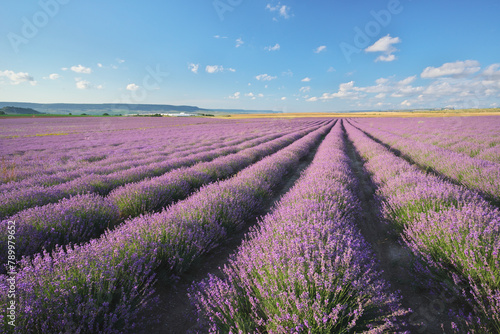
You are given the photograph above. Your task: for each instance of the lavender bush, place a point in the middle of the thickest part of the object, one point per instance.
(453, 230)
(17, 200)
(306, 269)
(475, 136)
(104, 285)
(481, 175)
(73, 220)
(84, 217)
(154, 194)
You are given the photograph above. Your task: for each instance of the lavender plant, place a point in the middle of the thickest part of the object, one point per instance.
(306, 268)
(104, 285)
(451, 229)
(74, 220)
(17, 200)
(475, 136)
(480, 175)
(154, 194)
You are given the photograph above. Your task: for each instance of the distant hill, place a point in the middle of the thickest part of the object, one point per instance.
(18, 111)
(121, 108)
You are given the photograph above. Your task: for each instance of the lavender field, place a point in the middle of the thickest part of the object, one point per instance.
(206, 225)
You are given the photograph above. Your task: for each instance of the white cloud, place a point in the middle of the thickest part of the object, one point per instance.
(239, 42)
(406, 103)
(386, 58)
(331, 69)
(132, 87)
(442, 88)
(408, 80)
(408, 90)
(457, 90)
(99, 65)
(120, 61)
(288, 73)
(383, 88)
(381, 81)
(194, 67)
(492, 72)
(305, 89)
(283, 98)
(81, 69)
(17, 78)
(386, 46)
(306, 79)
(217, 68)
(254, 96)
(64, 68)
(320, 49)
(457, 69)
(283, 10)
(235, 96)
(213, 69)
(54, 76)
(346, 91)
(265, 77)
(83, 84)
(273, 48)
(220, 37)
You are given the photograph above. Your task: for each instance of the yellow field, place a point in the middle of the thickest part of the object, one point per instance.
(430, 113)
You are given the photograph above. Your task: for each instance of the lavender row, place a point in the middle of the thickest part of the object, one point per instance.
(113, 159)
(154, 194)
(103, 286)
(478, 136)
(76, 219)
(51, 154)
(480, 175)
(49, 178)
(307, 268)
(119, 149)
(84, 217)
(21, 199)
(19, 127)
(451, 229)
(112, 166)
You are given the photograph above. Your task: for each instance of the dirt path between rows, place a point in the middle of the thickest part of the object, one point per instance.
(395, 259)
(177, 315)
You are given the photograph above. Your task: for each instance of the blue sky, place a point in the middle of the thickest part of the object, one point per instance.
(291, 56)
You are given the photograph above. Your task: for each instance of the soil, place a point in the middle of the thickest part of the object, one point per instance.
(175, 312)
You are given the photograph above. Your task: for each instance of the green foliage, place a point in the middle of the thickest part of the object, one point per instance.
(18, 111)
